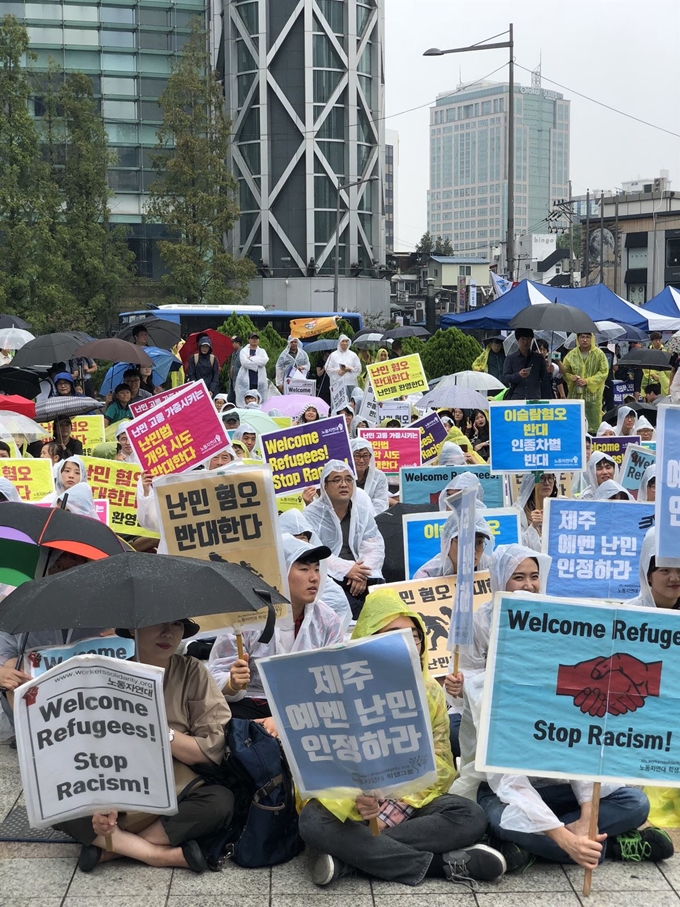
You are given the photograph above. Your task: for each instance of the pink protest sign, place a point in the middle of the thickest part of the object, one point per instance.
(393, 447)
(102, 510)
(143, 406)
(180, 434)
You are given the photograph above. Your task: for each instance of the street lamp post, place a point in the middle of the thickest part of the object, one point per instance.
(336, 277)
(482, 45)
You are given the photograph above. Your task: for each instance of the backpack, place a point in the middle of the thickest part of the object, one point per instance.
(212, 359)
(264, 827)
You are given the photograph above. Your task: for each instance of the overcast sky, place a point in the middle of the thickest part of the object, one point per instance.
(622, 53)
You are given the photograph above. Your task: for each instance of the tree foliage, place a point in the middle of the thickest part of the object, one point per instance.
(194, 193)
(449, 351)
(428, 245)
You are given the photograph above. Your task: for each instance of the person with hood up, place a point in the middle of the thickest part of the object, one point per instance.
(446, 562)
(369, 478)
(247, 434)
(625, 421)
(601, 467)
(204, 365)
(605, 430)
(314, 626)
(659, 586)
(530, 502)
(492, 359)
(464, 480)
(252, 374)
(647, 490)
(308, 413)
(78, 499)
(585, 369)
(611, 491)
(343, 366)
(292, 363)
(220, 401)
(644, 428)
(8, 492)
(456, 437)
(252, 400)
(126, 454)
(344, 519)
(67, 473)
(424, 833)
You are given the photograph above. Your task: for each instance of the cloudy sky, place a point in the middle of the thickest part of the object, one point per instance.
(622, 53)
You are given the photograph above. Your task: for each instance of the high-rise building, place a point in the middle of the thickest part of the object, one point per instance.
(126, 47)
(391, 186)
(467, 199)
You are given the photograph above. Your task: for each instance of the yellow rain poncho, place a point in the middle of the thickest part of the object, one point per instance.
(594, 368)
(457, 436)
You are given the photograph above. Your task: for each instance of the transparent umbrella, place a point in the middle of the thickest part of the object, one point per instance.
(554, 339)
(14, 338)
(478, 381)
(449, 392)
(16, 424)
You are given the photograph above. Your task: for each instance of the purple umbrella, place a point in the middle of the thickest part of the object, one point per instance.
(293, 404)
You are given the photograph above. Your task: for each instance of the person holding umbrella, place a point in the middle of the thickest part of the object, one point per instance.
(525, 372)
(585, 370)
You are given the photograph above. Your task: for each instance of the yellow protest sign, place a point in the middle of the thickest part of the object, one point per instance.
(117, 483)
(397, 377)
(283, 421)
(31, 478)
(433, 598)
(289, 502)
(89, 430)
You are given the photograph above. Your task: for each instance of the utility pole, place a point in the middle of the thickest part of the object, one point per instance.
(616, 243)
(571, 240)
(602, 236)
(586, 255)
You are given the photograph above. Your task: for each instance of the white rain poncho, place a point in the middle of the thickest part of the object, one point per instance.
(642, 423)
(645, 599)
(321, 627)
(357, 398)
(530, 535)
(464, 480)
(257, 363)
(294, 522)
(525, 810)
(608, 489)
(245, 428)
(120, 428)
(591, 473)
(365, 540)
(375, 484)
(9, 491)
(291, 365)
(605, 429)
(451, 455)
(647, 475)
(79, 500)
(59, 489)
(620, 418)
(258, 399)
(347, 358)
(357, 423)
(440, 564)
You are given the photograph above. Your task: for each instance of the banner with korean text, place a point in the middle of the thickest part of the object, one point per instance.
(393, 448)
(139, 407)
(32, 479)
(668, 485)
(548, 435)
(423, 485)
(116, 483)
(397, 377)
(298, 455)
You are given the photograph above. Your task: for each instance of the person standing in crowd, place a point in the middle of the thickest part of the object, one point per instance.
(344, 366)
(556, 380)
(585, 370)
(492, 360)
(68, 446)
(81, 369)
(631, 373)
(253, 371)
(656, 376)
(205, 365)
(292, 363)
(524, 371)
(234, 367)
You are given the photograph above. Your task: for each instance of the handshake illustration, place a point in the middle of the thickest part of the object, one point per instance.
(617, 684)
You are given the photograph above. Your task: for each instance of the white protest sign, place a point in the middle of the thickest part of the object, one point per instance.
(42, 658)
(395, 410)
(339, 397)
(91, 735)
(368, 410)
(304, 386)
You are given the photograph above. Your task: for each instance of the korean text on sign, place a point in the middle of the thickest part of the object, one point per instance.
(116, 483)
(353, 717)
(528, 437)
(393, 447)
(397, 377)
(668, 484)
(89, 430)
(32, 478)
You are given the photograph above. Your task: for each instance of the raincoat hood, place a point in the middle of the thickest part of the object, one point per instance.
(375, 481)
(464, 480)
(457, 437)
(357, 397)
(344, 337)
(334, 466)
(621, 416)
(608, 489)
(357, 423)
(202, 340)
(451, 455)
(380, 609)
(649, 473)
(58, 467)
(294, 522)
(80, 500)
(605, 429)
(294, 549)
(643, 422)
(253, 393)
(506, 559)
(450, 531)
(591, 468)
(526, 489)
(9, 491)
(646, 598)
(122, 427)
(245, 428)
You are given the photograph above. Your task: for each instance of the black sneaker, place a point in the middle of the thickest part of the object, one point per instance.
(517, 859)
(478, 863)
(325, 869)
(649, 844)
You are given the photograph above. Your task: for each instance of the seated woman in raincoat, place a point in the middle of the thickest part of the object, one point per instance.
(426, 833)
(445, 563)
(625, 421)
(659, 586)
(611, 491)
(67, 473)
(369, 477)
(464, 480)
(647, 490)
(530, 503)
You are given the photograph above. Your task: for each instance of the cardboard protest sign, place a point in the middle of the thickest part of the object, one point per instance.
(395, 409)
(339, 398)
(393, 448)
(368, 410)
(298, 455)
(40, 659)
(397, 377)
(33, 479)
(91, 734)
(432, 598)
(101, 508)
(304, 386)
(139, 407)
(180, 434)
(597, 696)
(667, 485)
(89, 430)
(282, 421)
(116, 483)
(286, 502)
(353, 718)
(635, 461)
(424, 485)
(433, 434)
(614, 447)
(548, 435)
(595, 545)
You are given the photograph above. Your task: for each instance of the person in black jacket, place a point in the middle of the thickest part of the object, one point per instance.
(525, 371)
(204, 364)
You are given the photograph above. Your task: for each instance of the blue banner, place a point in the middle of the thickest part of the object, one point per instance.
(353, 718)
(668, 483)
(595, 547)
(546, 436)
(424, 484)
(596, 697)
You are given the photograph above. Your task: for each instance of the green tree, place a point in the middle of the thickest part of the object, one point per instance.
(443, 246)
(563, 240)
(273, 343)
(235, 326)
(449, 351)
(194, 193)
(426, 244)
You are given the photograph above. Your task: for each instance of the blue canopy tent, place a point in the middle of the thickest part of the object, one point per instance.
(667, 302)
(597, 301)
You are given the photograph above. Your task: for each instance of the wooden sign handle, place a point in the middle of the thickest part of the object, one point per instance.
(592, 834)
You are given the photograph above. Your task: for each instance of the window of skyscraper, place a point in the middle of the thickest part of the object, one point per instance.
(78, 13)
(118, 14)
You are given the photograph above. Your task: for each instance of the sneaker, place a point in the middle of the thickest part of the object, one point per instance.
(649, 844)
(478, 863)
(326, 869)
(517, 859)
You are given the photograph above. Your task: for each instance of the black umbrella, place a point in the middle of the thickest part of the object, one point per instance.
(48, 349)
(318, 346)
(646, 409)
(391, 528)
(162, 333)
(659, 360)
(13, 321)
(136, 590)
(411, 330)
(115, 350)
(554, 317)
(19, 381)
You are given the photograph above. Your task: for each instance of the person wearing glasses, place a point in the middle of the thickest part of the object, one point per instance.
(344, 519)
(369, 478)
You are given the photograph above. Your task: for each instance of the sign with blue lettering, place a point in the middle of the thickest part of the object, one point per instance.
(547, 436)
(635, 461)
(353, 718)
(596, 698)
(595, 546)
(41, 659)
(668, 484)
(424, 484)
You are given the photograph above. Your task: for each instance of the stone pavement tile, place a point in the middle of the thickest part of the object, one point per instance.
(112, 900)
(539, 877)
(24, 878)
(294, 878)
(615, 876)
(206, 900)
(318, 900)
(671, 870)
(453, 896)
(120, 879)
(17, 849)
(233, 881)
(30, 902)
(633, 899)
(385, 890)
(532, 899)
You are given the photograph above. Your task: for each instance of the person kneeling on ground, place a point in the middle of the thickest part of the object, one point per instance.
(427, 833)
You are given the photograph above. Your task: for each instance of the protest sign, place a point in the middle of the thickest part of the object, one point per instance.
(89, 430)
(91, 735)
(422, 532)
(424, 485)
(139, 407)
(180, 434)
(433, 598)
(32, 479)
(635, 461)
(368, 411)
(101, 508)
(623, 729)
(353, 718)
(397, 377)
(460, 630)
(547, 435)
(622, 389)
(432, 437)
(395, 409)
(282, 421)
(393, 448)
(614, 447)
(298, 455)
(595, 545)
(304, 386)
(339, 398)
(116, 483)
(42, 658)
(286, 502)
(668, 485)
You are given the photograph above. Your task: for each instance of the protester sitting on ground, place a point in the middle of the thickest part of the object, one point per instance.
(659, 586)
(426, 833)
(530, 503)
(600, 468)
(205, 366)
(197, 718)
(309, 414)
(464, 480)
(78, 499)
(479, 433)
(5, 451)
(51, 451)
(242, 451)
(611, 491)
(644, 428)
(220, 401)
(451, 454)
(293, 363)
(446, 562)
(70, 447)
(125, 453)
(369, 478)
(456, 436)
(314, 626)
(625, 421)
(8, 491)
(343, 517)
(605, 430)
(67, 473)
(647, 490)
(231, 420)
(247, 434)
(348, 415)
(119, 410)
(357, 423)
(252, 400)
(653, 393)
